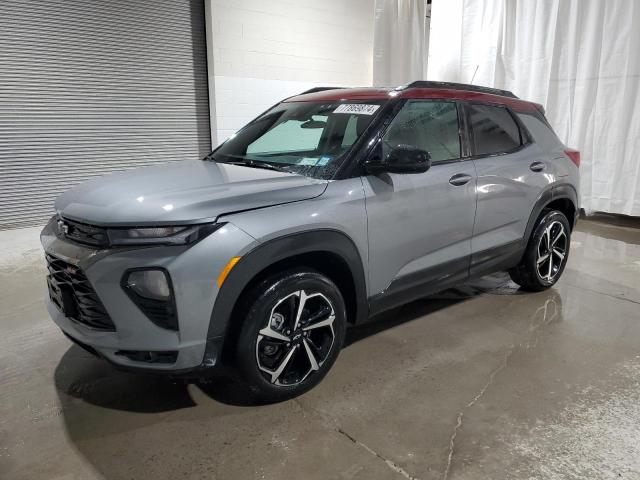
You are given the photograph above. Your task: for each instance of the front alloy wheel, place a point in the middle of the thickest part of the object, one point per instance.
(293, 326)
(297, 337)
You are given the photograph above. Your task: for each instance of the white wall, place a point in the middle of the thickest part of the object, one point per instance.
(445, 37)
(264, 51)
(400, 42)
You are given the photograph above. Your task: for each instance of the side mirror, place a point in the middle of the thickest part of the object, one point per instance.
(402, 159)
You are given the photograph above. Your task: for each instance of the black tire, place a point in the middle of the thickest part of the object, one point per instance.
(280, 295)
(527, 273)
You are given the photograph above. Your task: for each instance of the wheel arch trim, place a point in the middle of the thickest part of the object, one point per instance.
(548, 195)
(269, 253)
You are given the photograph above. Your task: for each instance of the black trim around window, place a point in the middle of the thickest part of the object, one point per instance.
(465, 136)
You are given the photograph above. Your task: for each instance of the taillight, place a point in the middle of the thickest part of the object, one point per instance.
(574, 155)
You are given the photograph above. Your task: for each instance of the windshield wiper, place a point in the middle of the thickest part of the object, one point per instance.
(267, 165)
(247, 162)
(257, 164)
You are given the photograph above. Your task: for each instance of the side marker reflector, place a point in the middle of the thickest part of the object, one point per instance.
(225, 271)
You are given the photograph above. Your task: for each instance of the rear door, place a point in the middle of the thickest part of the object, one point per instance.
(512, 172)
(420, 225)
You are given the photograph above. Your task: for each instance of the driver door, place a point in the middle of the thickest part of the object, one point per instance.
(420, 225)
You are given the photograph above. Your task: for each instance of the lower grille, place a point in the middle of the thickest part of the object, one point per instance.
(70, 290)
(149, 356)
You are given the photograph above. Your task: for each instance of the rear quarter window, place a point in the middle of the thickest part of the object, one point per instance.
(493, 129)
(541, 132)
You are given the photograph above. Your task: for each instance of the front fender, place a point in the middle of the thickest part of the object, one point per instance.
(268, 253)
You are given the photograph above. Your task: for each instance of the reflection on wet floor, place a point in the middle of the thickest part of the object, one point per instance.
(480, 381)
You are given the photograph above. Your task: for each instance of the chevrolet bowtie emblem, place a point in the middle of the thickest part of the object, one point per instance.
(63, 227)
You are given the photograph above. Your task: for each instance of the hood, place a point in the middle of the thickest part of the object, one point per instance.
(181, 193)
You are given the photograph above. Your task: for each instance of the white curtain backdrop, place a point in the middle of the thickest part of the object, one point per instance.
(579, 58)
(399, 46)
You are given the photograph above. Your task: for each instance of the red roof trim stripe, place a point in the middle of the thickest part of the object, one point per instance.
(347, 94)
(423, 93)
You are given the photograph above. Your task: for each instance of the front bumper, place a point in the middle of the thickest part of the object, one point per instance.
(193, 270)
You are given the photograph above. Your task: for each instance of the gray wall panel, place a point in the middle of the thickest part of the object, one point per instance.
(92, 87)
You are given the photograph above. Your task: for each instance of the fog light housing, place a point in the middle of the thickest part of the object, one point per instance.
(152, 292)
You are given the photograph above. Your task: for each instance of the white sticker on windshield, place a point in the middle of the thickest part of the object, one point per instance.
(357, 108)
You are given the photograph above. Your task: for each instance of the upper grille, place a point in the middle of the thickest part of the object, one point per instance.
(70, 290)
(82, 233)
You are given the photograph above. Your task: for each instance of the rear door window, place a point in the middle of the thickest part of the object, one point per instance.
(493, 129)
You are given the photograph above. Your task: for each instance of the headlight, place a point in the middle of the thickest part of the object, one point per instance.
(171, 235)
(151, 290)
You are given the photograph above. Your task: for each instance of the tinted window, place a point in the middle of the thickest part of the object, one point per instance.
(540, 131)
(493, 129)
(430, 126)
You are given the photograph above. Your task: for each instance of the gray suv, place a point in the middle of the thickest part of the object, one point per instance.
(328, 208)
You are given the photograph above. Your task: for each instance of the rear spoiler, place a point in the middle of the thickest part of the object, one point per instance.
(312, 90)
(319, 89)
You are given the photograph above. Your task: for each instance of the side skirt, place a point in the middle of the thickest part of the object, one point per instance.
(421, 284)
(496, 259)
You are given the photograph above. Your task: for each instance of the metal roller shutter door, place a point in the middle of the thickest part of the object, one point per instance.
(91, 87)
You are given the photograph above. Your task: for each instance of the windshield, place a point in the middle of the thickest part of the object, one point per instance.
(307, 138)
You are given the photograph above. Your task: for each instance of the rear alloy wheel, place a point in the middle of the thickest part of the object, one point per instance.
(294, 330)
(546, 255)
(551, 251)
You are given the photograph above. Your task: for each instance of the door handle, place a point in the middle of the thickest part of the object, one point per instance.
(537, 166)
(460, 179)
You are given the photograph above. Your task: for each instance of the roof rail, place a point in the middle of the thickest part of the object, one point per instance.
(319, 89)
(457, 86)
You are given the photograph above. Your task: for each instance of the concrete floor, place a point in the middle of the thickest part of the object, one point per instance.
(478, 382)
